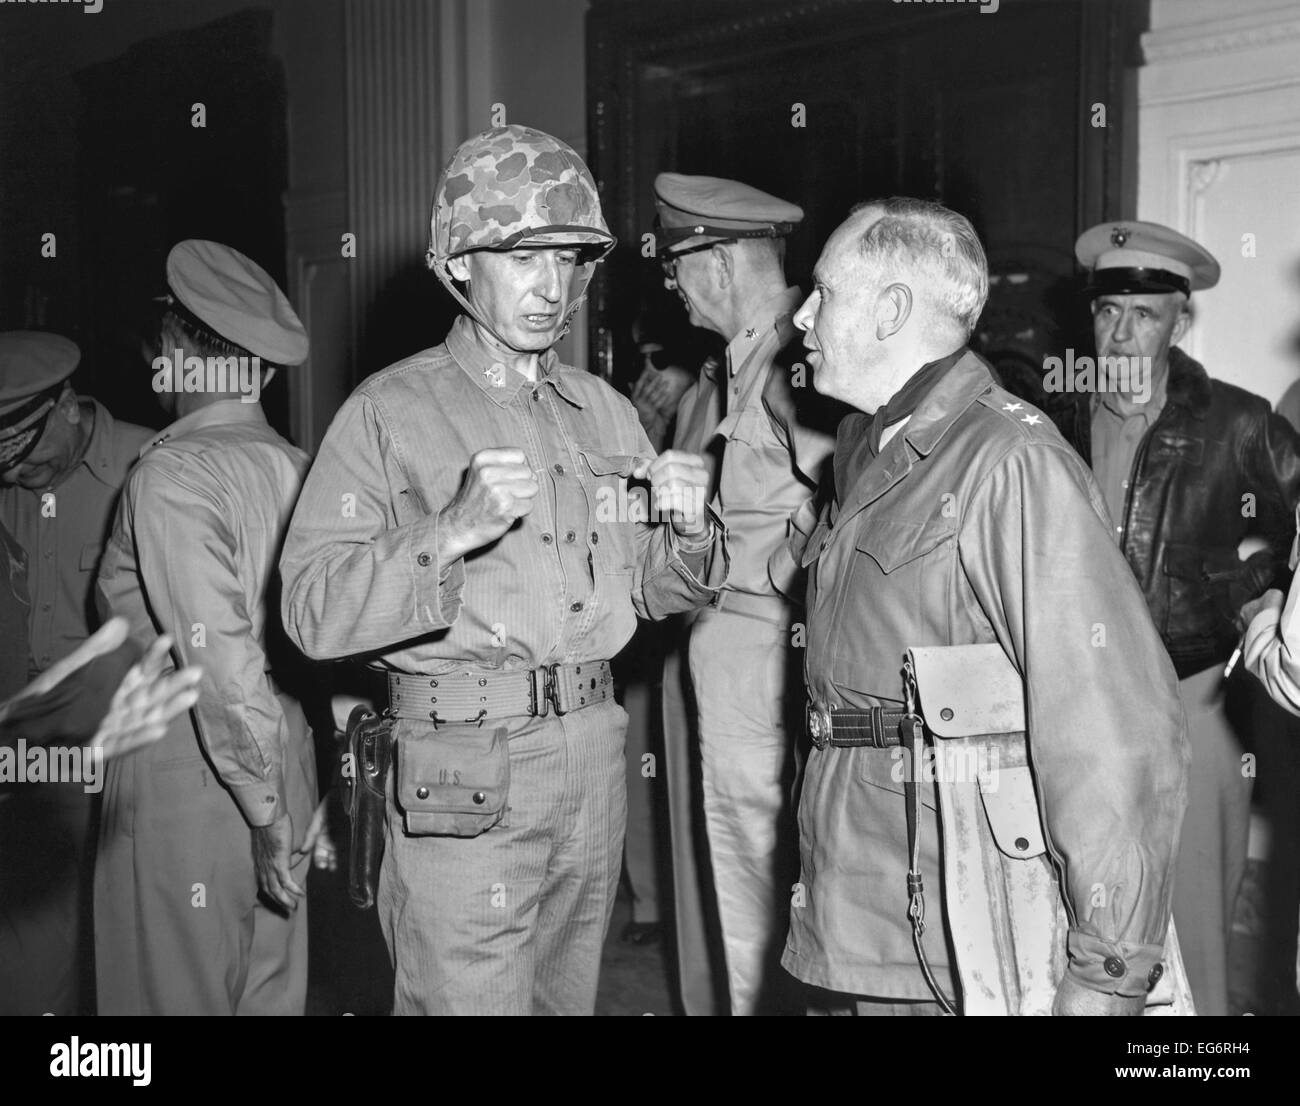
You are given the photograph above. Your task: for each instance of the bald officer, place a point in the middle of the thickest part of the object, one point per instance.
(1191, 468)
(199, 884)
(722, 247)
(64, 460)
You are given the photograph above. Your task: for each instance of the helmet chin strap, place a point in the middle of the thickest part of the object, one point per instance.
(440, 268)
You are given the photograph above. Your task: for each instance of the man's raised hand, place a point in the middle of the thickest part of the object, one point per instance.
(680, 483)
(498, 488)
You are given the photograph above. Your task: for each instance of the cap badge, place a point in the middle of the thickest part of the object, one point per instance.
(1119, 236)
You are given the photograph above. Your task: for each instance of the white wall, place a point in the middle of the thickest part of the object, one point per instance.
(1219, 159)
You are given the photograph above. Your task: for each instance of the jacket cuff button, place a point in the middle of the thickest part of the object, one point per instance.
(424, 560)
(1115, 967)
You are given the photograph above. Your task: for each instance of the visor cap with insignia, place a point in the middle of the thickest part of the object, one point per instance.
(237, 300)
(34, 366)
(692, 210)
(1130, 257)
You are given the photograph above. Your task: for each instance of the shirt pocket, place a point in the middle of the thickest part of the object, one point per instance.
(90, 554)
(895, 588)
(746, 458)
(893, 543)
(614, 507)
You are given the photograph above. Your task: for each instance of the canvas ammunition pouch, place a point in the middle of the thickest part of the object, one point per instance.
(454, 781)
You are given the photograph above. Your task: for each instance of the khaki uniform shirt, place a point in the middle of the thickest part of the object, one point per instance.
(64, 536)
(564, 585)
(1116, 438)
(768, 472)
(193, 554)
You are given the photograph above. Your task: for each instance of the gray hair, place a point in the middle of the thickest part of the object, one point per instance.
(914, 235)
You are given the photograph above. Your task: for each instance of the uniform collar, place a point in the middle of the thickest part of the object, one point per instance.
(225, 412)
(773, 321)
(1187, 383)
(861, 478)
(479, 365)
(952, 394)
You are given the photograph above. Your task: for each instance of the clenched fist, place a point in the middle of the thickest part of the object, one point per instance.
(498, 488)
(680, 484)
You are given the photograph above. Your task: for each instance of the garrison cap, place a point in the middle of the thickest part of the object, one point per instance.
(1130, 257)
(33, 368)
(713, 207)
(236, 299)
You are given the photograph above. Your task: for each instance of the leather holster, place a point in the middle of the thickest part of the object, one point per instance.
(366, 756)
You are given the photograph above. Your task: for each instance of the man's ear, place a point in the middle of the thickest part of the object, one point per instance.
(458, 267)
(1181, 325)
(69, 407)
(725, 265)
(893, 309)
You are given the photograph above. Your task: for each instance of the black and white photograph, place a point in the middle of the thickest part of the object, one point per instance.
(650, 508)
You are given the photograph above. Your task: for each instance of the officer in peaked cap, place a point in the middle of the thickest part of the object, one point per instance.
(63, 459)
(1131, 258)
(193, 549)
(1175, 452)
(721, 244)
(694, 214)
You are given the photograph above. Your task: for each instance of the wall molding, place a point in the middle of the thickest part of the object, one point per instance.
(1220, 36)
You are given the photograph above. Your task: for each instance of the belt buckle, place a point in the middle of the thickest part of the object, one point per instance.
(551, 688)
(541, 684)
(818, 723)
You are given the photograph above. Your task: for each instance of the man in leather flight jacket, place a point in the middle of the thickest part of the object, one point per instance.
(1190, 468)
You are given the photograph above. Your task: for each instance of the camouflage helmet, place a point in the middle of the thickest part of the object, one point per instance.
(514, 187)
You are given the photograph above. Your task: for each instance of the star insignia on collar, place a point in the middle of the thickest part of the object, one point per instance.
(1119, 236)
(1033, 420)
(1012, 406)
(496, 374)
(751, 333)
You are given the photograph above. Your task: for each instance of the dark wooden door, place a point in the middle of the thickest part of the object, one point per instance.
(828, 103)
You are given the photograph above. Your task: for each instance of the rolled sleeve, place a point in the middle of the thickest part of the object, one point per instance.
(676, 575)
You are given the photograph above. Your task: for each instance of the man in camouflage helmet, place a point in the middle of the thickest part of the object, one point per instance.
(468, 527)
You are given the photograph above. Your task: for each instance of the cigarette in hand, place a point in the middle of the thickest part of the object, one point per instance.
(1232, 660)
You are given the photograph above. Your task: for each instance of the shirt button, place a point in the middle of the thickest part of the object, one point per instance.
(570, 537)
(575, 607)
(537, 395)
(547, 539)
(1115, 967)
(559, 470)
(424, 560)
(1153, 977)
(595, 538)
